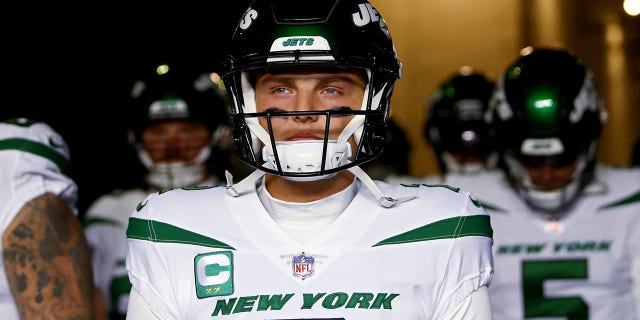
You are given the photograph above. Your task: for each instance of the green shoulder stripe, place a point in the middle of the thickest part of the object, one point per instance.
(38, 149)
(91, 221)
(624, 201)
(457, 227)
(491, 207)
(156, 231)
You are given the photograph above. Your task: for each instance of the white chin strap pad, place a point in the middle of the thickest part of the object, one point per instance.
(302, 156)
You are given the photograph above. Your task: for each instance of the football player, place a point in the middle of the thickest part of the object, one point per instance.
(176, 118)
(46, 263)
(308, 235)
(566, 227)
(461, 139)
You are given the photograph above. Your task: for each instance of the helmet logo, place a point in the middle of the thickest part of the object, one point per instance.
(303, 43)
(292, 42)
(367, 14)
(587, 99)
(542, 147)
(247, 19)
(164, 109)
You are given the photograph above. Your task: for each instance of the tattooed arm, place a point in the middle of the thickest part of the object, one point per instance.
(48, 263)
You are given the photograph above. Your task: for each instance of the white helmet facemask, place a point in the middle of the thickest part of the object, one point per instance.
(174, 174)
(549, 201)
(305, 156)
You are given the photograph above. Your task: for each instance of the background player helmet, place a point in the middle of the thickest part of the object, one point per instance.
(335, 34)
(455, 122)
(172, 93)
(547, 111)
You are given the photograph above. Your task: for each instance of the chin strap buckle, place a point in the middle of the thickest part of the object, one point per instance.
(246, 184)
(383, 200)
(389, 202)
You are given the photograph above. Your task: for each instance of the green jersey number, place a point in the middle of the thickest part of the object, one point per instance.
(120, 288)
(535, 273)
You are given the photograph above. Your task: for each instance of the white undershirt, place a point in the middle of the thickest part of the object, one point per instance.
(303, 220)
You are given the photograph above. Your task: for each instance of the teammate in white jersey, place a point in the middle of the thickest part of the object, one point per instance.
(309, 235)
(176, 115)
(46, 265)
(566, 229)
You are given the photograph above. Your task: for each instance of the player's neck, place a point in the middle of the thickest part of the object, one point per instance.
(293, 191)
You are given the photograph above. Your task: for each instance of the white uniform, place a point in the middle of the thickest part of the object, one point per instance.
(201, 254)
(34, 160)
(105, 228)
(586, 265)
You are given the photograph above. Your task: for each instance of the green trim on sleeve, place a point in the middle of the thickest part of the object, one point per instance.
(156, 231)
(38, 149)
(624, 201)
(457, 227)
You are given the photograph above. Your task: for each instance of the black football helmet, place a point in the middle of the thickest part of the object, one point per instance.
(173, 93)
(455, 122)
(293, 34)
(546, 111)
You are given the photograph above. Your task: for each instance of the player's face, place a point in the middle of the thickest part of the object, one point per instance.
(173, 141)
(308, 91)
(550, 177)
(469, 158)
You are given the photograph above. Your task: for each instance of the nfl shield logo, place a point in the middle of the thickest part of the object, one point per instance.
(302, 266)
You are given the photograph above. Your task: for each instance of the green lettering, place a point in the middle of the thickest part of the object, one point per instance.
(245, 304)
(557, 247)
(310, 299)
(384, 300)
(274, 302)
(360, 300)
(574, 246)
(503, 250)
(535, 248)
(224, 307)
(335, 300)
(604, 246)
(591, 245)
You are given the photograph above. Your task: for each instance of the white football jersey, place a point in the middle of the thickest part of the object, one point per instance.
(585, 266)
(34, 160)
(105, 224)
(197, 253)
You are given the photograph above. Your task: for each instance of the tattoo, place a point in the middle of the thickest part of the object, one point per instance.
(47, 261)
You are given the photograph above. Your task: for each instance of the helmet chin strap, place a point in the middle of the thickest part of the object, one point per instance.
(249, 183)
(306, 155)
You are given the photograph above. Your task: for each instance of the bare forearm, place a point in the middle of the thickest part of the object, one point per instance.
(48, 262)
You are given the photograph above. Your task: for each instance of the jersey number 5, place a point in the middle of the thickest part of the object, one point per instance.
(535, 273)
